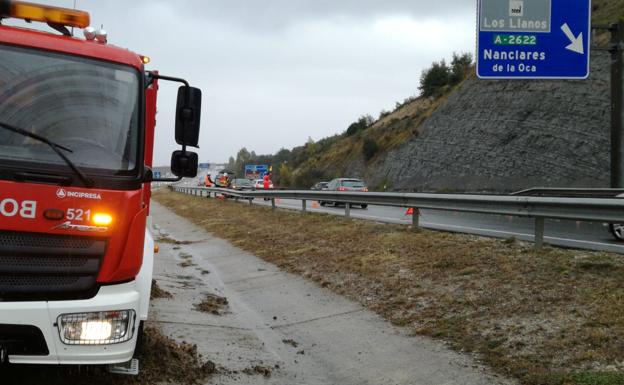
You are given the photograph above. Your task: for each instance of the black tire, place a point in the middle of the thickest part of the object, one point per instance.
(617, 229)
(140, 343)
(364, 206)
(321, 203)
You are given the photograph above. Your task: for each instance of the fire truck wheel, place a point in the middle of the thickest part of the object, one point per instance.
(140, 336)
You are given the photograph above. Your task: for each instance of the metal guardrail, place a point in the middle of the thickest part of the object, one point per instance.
(571, 192)
(538, 207)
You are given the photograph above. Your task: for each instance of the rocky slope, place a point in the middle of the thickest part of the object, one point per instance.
(507, 135)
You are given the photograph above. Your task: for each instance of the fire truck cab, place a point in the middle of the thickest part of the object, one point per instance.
(77, 121)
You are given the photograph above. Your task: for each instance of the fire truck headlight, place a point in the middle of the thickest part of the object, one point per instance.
(97, 328)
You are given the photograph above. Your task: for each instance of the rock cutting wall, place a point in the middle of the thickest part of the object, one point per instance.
(509, 135)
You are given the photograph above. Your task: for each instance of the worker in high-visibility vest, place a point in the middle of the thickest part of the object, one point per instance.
(266, 181)
(223, 180)
(207, 181)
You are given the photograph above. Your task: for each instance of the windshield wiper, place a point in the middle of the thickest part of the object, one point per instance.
(55, 147)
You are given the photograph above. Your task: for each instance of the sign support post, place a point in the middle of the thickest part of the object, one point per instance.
(617, 104)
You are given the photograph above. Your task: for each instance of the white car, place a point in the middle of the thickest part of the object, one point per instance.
(617, 229)
(259, 185)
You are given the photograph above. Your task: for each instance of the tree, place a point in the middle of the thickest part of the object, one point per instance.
(310, 147)
(285, 176)
(242, 158)
(460, 65)
(231, 163)
(434, 79)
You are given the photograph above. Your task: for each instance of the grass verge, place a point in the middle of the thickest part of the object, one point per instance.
(550, 317)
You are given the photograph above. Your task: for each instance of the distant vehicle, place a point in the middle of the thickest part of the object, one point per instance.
(224, 178)
(259, 184)
(617, 229)
(242, 184)
(346, 184)
(320, 186)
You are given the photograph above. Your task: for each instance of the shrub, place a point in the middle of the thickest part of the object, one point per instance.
(369, 148)
(433, 80)
(362, 124)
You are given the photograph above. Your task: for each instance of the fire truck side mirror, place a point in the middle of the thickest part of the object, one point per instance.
(184, 164)
(188, 114)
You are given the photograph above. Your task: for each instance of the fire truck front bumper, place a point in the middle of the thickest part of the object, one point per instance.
(100, 330)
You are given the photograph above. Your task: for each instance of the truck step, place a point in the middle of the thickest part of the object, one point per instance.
(130, 368)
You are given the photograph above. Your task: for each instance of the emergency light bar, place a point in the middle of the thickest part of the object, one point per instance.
(44, 13)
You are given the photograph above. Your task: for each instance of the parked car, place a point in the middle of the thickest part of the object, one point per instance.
(242, 184)
(617, 229)
(346, 184)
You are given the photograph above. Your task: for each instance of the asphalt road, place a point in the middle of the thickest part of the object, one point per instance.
(282, 324)
(580, 235)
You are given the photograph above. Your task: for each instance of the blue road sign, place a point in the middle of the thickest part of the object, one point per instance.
(254, 171)
(156, 174)
(533, 39)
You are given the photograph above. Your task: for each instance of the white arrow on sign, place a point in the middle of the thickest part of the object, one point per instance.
(577, 42)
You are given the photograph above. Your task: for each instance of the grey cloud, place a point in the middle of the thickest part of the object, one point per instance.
(276, 14)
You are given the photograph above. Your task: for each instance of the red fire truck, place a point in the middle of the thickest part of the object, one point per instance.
(77, 120)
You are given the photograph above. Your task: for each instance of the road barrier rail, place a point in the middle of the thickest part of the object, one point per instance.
(610, 210)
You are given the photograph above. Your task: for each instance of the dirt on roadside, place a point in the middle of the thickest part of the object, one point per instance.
(157, 292)
(551, 317)
(161, 360)
(213, 304)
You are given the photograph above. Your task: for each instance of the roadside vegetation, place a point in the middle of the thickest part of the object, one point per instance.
(607, 11)
(552, 317)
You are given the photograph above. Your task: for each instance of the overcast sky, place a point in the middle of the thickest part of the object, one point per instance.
(276, 72)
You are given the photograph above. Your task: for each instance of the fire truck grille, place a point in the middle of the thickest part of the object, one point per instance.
(44, 267)
(10, 239)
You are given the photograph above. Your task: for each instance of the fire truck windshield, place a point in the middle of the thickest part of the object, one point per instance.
(90, 107)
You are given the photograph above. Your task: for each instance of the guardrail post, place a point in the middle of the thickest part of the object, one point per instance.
(273, 204)
(250, 201)
(303, 205)
(539, 233)
(347, 210)
(415, 218)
